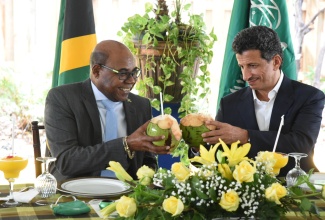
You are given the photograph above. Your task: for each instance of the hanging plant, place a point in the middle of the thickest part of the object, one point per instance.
(170, 53)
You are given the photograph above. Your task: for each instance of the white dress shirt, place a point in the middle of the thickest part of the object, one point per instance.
(263, 109)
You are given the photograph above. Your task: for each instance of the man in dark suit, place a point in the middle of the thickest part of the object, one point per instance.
(75, 118)
(253, 114)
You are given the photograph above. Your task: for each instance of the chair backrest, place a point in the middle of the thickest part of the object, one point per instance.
(37, 146)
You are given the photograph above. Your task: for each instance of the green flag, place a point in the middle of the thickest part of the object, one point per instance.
(76, 39)
(246, 13)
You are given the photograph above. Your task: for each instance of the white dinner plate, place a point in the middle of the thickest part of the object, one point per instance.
(94, 187)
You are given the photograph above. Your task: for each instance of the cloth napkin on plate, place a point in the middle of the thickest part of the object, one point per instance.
(94, 203)
(24, 197)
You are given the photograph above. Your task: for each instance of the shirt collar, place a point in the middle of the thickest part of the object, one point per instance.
(274, 91)
(99, 96)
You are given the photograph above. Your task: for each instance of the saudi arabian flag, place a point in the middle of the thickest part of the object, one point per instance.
(245, 13)
(76, 39)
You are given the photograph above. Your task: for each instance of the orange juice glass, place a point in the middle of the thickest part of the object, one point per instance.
(11, 167)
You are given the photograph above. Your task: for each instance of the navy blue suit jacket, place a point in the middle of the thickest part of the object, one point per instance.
(302, 107)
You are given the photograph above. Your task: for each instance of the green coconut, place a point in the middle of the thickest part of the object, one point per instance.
(165, 125)
(193, 126)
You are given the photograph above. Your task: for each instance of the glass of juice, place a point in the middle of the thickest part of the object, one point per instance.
(11, 167)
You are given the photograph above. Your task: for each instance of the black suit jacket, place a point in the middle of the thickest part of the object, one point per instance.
(302, 107)
(74, 134)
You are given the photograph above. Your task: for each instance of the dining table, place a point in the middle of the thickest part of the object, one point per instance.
(33, 211)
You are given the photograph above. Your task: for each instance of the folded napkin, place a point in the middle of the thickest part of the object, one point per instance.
(24, 197)
(94, 203)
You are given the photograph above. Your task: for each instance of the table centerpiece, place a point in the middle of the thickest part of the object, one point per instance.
(221, 183)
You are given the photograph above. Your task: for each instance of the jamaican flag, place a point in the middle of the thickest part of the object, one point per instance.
(76, 39)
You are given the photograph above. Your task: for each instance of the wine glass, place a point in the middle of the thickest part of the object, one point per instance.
(11, 167)
(293, 174)
(45, 183)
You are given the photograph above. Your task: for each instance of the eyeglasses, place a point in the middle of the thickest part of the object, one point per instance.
(123, 75)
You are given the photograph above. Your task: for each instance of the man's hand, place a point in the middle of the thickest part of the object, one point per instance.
(226, 132)
(140, 141)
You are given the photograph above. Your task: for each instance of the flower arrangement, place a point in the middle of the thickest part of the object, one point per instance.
(220, 183)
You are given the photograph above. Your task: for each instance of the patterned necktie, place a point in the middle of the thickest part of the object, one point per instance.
(111, 121)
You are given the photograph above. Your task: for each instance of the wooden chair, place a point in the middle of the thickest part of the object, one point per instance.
(37, 146)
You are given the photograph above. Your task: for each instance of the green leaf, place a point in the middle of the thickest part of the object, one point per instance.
(168, 111)
(149, 81)
(168, 98)
(305, 204)
(314, 209)
(169, 83)
(155, 104)
(156, 89)
(146, 38)
(213, 194)
(195, 183)
(148, 7)
(220, 158)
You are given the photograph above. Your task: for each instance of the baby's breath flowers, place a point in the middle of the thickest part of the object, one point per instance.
(224, 183)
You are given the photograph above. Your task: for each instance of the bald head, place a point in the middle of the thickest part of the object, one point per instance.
(104, 50)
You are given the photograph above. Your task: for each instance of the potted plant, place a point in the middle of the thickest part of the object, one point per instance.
(170, 53)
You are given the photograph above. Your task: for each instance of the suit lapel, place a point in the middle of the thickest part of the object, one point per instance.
(247, 113)
(283, 101)
(88, 98)
(130, 115)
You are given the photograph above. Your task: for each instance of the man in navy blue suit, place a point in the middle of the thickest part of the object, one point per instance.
(253, 114)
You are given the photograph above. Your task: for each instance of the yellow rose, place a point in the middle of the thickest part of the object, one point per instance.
(145, 171)
(173, 206)
(229, 201)
(180, 171)
(275, 192)
(126, 206)
(145, 175)
(145, 181)
(225, 171)
(244, 172)
(119, 171)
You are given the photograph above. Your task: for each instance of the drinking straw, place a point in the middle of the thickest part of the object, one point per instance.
(277, 136)
(161, 104)
(13, 135)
